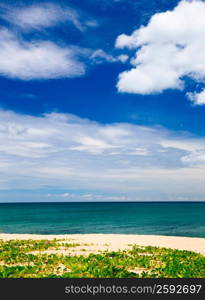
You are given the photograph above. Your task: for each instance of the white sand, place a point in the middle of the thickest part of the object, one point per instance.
(113, 242)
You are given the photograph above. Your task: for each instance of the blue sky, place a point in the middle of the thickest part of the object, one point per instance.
(102, 100)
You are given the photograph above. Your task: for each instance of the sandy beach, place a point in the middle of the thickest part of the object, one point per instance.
(93, 243)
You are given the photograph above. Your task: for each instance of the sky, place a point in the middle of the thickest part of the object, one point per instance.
(102, 100)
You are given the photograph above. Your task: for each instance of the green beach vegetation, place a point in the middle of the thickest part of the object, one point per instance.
(37, 259)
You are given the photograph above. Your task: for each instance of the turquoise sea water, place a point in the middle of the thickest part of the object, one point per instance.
(178, 219)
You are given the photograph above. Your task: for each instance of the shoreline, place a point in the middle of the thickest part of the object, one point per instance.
(114, 242)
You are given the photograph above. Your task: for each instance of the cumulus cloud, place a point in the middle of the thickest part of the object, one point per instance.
(168, 48)
(36, 59)
(70, 153)
(44, 15)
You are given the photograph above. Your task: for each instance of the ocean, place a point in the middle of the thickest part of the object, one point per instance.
(160, 218)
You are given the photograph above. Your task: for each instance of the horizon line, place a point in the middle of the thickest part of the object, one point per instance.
(148, 201)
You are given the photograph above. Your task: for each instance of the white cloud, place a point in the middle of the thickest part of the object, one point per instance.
(70, 153)
(92, 145)
(140, 151)
(190, 144)
(44, 15)
(99, 56)
(123, 58)
(197, 98)
(37, 59)
(44, 59)
(194, 147)
(170, 47)
(87, 197)
(196, 158)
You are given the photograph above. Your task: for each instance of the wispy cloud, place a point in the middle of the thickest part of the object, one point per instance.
(44, 15)
(99, 56)
(68, 152)
(36, 59)
(26, 56)
(169, 48)
(86, 197)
